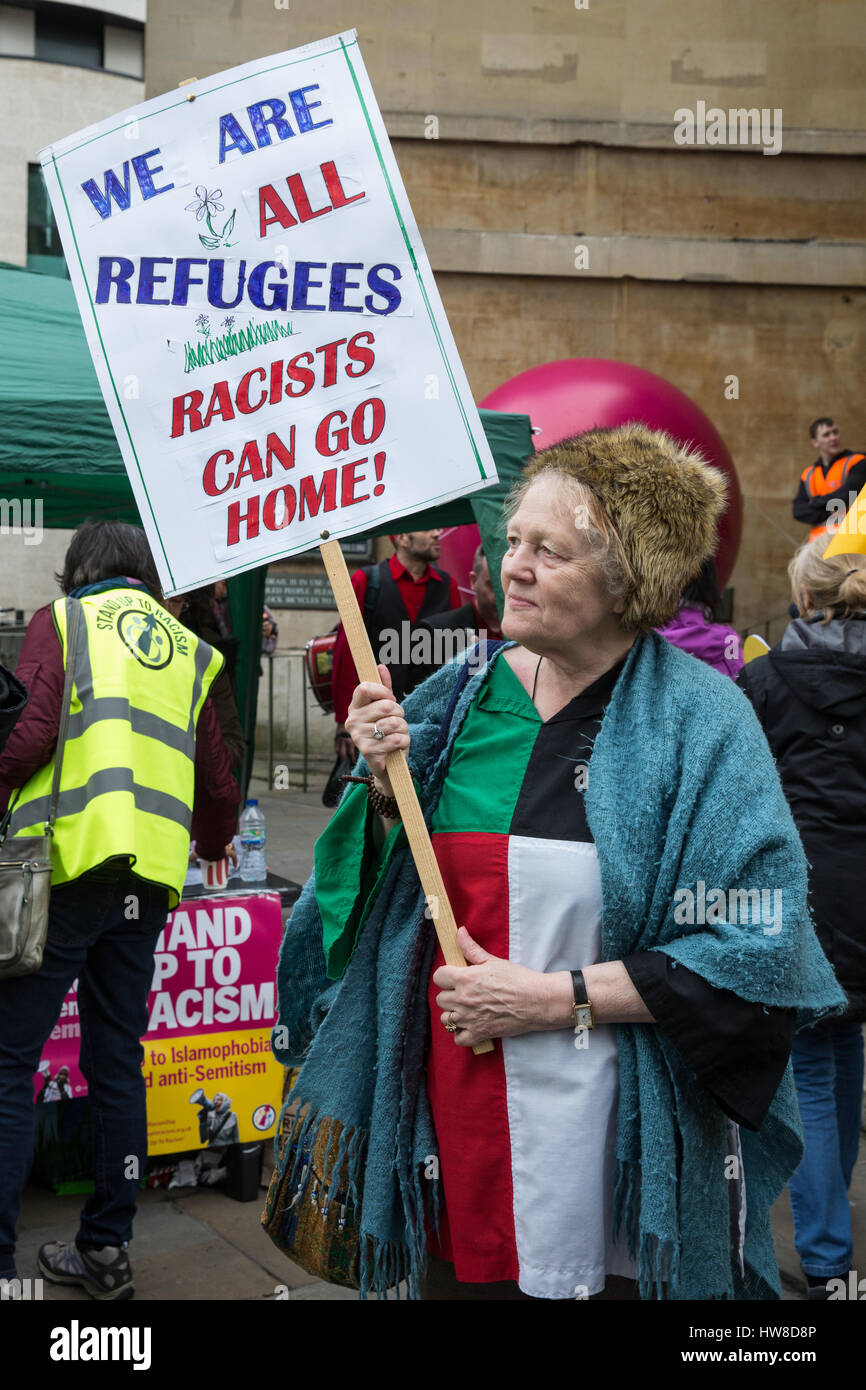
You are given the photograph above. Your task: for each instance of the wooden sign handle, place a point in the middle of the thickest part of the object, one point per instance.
(397, 765)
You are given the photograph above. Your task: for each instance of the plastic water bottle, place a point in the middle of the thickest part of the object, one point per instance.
(252, 865)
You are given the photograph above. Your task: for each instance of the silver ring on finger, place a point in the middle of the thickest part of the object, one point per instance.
(377, 732)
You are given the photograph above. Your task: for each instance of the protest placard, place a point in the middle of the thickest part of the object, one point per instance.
(210, 1012)
(263, 319)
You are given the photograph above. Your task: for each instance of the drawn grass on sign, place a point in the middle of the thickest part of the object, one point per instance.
(205, 352)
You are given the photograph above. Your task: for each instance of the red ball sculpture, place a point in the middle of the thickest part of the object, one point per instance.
(582, 393)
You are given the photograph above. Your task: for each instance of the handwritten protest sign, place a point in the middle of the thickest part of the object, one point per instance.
(264, 323)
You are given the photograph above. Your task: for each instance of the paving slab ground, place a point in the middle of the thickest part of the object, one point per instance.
(196, 1244)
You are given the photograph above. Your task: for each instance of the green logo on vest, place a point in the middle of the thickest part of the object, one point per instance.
(146, 637)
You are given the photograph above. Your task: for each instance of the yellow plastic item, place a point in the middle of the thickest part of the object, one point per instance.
(754, 646)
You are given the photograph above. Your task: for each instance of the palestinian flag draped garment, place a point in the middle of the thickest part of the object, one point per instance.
(526, 1134)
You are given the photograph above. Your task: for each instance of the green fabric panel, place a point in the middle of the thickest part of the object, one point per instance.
(338, 860)
(348, 873)
(489, 758)
(57, 445)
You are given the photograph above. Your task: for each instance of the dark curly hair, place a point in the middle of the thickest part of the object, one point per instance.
(106, 550)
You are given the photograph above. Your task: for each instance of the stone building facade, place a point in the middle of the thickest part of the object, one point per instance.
(524, 133)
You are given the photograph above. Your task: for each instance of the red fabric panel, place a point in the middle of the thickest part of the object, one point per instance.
(467, 1093)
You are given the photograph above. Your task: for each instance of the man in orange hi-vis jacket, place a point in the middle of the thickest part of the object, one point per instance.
(830, 484)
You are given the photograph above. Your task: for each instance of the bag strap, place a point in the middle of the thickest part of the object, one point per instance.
(371, 600)
(73, 618)
(74, 614)
(371, 595)
(492, 646)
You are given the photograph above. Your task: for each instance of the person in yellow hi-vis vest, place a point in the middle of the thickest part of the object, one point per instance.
(144, 764)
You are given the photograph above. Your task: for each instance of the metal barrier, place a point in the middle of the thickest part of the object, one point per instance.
(296, 685)
(11, 640)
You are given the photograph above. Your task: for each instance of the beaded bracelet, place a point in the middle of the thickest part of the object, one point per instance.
(383, 805)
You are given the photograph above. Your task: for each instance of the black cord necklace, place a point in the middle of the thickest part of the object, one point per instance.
(535, 682)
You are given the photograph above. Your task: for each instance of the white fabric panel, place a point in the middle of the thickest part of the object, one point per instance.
(561, 1099)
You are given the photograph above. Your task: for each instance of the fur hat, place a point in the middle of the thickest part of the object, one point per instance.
(663, 501)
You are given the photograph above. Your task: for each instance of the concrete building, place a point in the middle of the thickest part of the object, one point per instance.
(61, 67)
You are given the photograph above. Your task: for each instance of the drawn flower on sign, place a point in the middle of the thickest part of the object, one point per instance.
(203, 323)
(204, 205)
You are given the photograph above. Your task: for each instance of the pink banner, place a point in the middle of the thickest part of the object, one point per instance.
(214, 972)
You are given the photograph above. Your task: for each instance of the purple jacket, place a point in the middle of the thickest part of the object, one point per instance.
(715, 643)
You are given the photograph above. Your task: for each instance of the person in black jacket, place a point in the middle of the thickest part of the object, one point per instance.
(13, 698)
(809, 693)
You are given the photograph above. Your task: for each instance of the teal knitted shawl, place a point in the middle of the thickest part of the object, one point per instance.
(682, 788)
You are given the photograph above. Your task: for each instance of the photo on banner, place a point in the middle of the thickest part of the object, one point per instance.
(262, 315)
(211, 1008)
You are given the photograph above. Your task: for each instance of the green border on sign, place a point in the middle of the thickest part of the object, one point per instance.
(408, 244)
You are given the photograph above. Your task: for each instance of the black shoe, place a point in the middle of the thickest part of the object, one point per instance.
(816, 1287)
(104, 1273)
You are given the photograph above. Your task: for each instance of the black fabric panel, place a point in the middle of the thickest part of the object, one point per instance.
(551, 801)
(738, 1050)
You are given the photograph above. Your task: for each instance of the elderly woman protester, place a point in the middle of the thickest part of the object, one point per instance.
(809, 694)
(614, 839)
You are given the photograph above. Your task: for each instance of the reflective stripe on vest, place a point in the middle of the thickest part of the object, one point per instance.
(127, 783)
(820, 484)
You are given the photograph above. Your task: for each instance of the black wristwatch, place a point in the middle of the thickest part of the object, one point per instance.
(582, 1005)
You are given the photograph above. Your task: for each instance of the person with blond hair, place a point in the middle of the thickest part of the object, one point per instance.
(809, 693)
(593, 793)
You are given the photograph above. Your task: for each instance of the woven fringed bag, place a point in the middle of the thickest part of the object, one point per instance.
(311, 1214)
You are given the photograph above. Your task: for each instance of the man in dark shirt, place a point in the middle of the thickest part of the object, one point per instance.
(830, 484)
